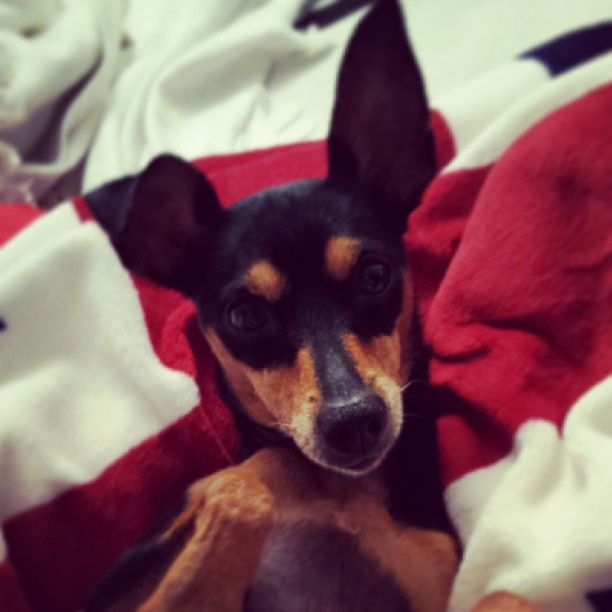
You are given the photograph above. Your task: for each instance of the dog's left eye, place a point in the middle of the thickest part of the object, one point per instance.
(374, 276)
(246, 316)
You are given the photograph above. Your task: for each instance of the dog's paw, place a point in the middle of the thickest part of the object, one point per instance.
(502, 601)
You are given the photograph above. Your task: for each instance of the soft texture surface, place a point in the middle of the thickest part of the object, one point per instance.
(521, 327)
(58, 62)
(512, 259)
(110, 83)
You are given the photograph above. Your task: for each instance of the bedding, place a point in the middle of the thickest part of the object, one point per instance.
(58, 63)
(91, 90)
(108, 398)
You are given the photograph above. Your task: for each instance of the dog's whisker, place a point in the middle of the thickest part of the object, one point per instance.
(410, 383)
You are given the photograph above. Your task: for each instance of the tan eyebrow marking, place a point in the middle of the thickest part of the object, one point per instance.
(341, 253)
(265, 280)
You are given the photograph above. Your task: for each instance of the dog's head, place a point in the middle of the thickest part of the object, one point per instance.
(303, 291)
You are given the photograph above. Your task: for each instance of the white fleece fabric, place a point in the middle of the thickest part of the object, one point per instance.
(120, 82)
(80, 383)
(538, 522)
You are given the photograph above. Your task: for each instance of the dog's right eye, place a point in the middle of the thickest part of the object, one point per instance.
(374, 276)
(246, 316)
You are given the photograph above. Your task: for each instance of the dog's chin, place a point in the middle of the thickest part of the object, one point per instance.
(360, 468)
(354, 468)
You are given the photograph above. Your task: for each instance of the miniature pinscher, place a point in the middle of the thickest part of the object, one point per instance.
(304, 296)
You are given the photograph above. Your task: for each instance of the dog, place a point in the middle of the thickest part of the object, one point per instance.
(304, 295)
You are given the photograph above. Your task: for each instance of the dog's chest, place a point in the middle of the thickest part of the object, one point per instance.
(305, 566)
(327, 555)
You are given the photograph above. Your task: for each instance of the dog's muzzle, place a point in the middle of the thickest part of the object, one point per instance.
(353, 435)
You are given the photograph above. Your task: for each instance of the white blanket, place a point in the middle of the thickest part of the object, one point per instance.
(58, 61)
(211, 77)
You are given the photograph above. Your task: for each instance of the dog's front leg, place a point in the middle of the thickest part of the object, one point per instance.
(229, 516)
(206, 559)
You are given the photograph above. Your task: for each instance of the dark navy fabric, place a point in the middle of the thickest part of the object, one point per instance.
(328, 15)
(573, 48)
(601, 601)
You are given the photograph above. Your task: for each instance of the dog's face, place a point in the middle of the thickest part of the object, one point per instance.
(303, 291)
(303, 314)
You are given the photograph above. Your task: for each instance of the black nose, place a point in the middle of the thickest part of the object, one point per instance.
(353, 429)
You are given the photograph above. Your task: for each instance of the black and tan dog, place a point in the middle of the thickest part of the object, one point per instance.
(305, 298)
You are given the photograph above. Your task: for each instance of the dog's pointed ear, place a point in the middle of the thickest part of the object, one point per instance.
(379, 137)
(160, 220)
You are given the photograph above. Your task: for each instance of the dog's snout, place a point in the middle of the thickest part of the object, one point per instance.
(353, 429)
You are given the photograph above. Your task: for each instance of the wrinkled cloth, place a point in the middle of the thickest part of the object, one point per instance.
(512, 262)
(58, 61)
(91, 90)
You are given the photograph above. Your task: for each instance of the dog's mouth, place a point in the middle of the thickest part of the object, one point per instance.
(355, 466)
(352, 464)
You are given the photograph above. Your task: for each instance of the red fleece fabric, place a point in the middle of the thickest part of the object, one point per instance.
(513, 272)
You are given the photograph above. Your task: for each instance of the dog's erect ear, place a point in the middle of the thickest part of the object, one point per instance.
(159, 220)
(380, 136)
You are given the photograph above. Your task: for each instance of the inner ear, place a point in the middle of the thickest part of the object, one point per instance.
(379, 137)
(170, 212)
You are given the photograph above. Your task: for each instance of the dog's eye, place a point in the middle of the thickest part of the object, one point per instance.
(374, 277)
(246, 316)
